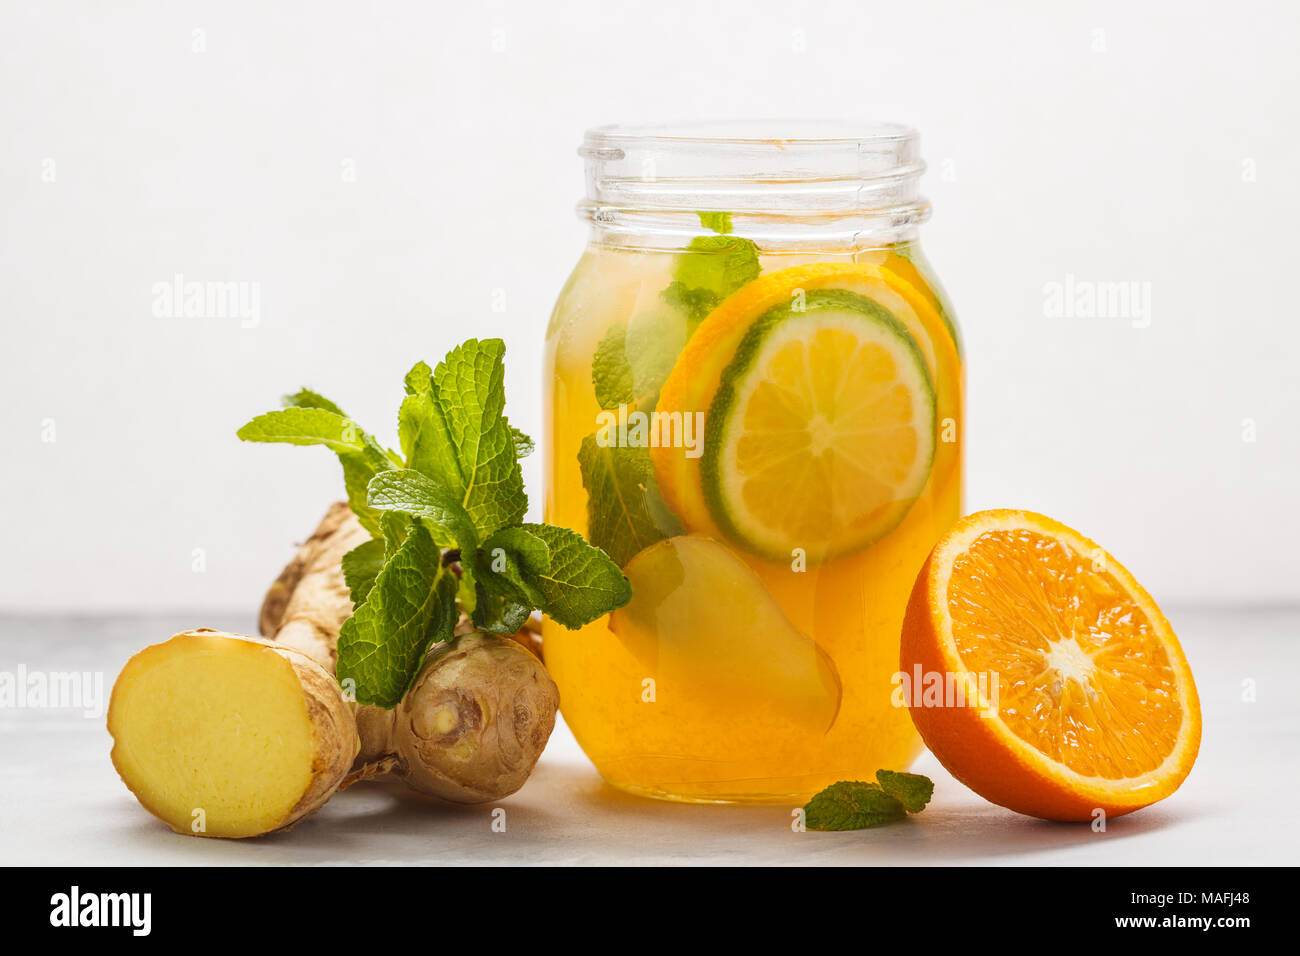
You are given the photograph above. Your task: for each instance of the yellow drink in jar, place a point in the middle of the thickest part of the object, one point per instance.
(766, 436)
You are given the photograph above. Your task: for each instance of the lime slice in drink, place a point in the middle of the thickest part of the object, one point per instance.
(822, 430)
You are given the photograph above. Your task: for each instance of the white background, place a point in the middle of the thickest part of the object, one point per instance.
(214, 140)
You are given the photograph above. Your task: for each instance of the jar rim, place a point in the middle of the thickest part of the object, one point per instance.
(775, 134)
(785, 181)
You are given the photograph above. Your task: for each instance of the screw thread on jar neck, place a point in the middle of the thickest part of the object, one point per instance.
(787, 185)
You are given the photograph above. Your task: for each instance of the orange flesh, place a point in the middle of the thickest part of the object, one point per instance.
(800, 441)
(1082, 674)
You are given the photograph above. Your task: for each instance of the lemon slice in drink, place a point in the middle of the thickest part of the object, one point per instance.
(821, 432)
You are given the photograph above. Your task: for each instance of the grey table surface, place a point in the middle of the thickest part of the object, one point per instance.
(61, 802)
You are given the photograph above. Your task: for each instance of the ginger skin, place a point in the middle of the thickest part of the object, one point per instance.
(204, 772)
(250, 735)
(478, 714)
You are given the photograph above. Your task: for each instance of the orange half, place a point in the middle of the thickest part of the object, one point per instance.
(1073, 693)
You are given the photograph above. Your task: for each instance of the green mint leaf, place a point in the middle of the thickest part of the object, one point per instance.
(695, 304)
(469, 389)
(306, 426)
(532, 553)
(361, 566)
(467, 587)
(719, 222)
(360, 455)
(523, 444)
(717, 264)
(912, 790)
(422, 430)
(393, 528)
(499, 613)
(510, 566)
(437, 507)
(851, 805)
(306, 398)
(519, 552)
(611, 372)
(625, 511)
(419, 380)
(425, 442)
(632, 360)
(500, 607)
(581, 583)
(411, 606)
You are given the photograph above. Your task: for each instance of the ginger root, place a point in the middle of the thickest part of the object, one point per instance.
(224, 735)
(476, 717)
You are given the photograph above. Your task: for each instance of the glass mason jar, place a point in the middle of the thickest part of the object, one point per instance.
(754, 405)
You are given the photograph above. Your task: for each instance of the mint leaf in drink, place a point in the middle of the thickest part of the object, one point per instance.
(360, 455)
(695, 304)
(625, 510)
(851, 805)
(611, 372)
(633, 359)
(361, 566)
(581, 583)
(719, 222)
(411, 606)
(912, 790)
(717, 264)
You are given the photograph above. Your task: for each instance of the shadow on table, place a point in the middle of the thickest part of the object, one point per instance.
(568, 815)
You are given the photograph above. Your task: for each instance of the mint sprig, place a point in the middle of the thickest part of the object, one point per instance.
(854, 805)
(625, 510)
(323, 423)
(411, 606)
(446, 523)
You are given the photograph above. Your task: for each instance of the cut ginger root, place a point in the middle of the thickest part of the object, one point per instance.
(229, 736)
(475, 719)
(223, 735)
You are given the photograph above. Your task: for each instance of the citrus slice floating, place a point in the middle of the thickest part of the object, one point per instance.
(817, 383)
(702, 623)
(822, 430)
(1093, 707)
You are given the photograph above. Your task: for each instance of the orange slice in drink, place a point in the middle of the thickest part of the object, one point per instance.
(816, 383)
(1072, 692)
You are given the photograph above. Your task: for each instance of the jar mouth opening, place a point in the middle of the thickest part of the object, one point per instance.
(820, 177)
(758, 135)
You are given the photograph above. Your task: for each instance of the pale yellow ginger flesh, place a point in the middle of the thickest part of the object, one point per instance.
(223, 735)
(219, 734)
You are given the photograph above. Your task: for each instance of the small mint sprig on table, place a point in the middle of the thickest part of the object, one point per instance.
(446, 523)
(854, 805)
